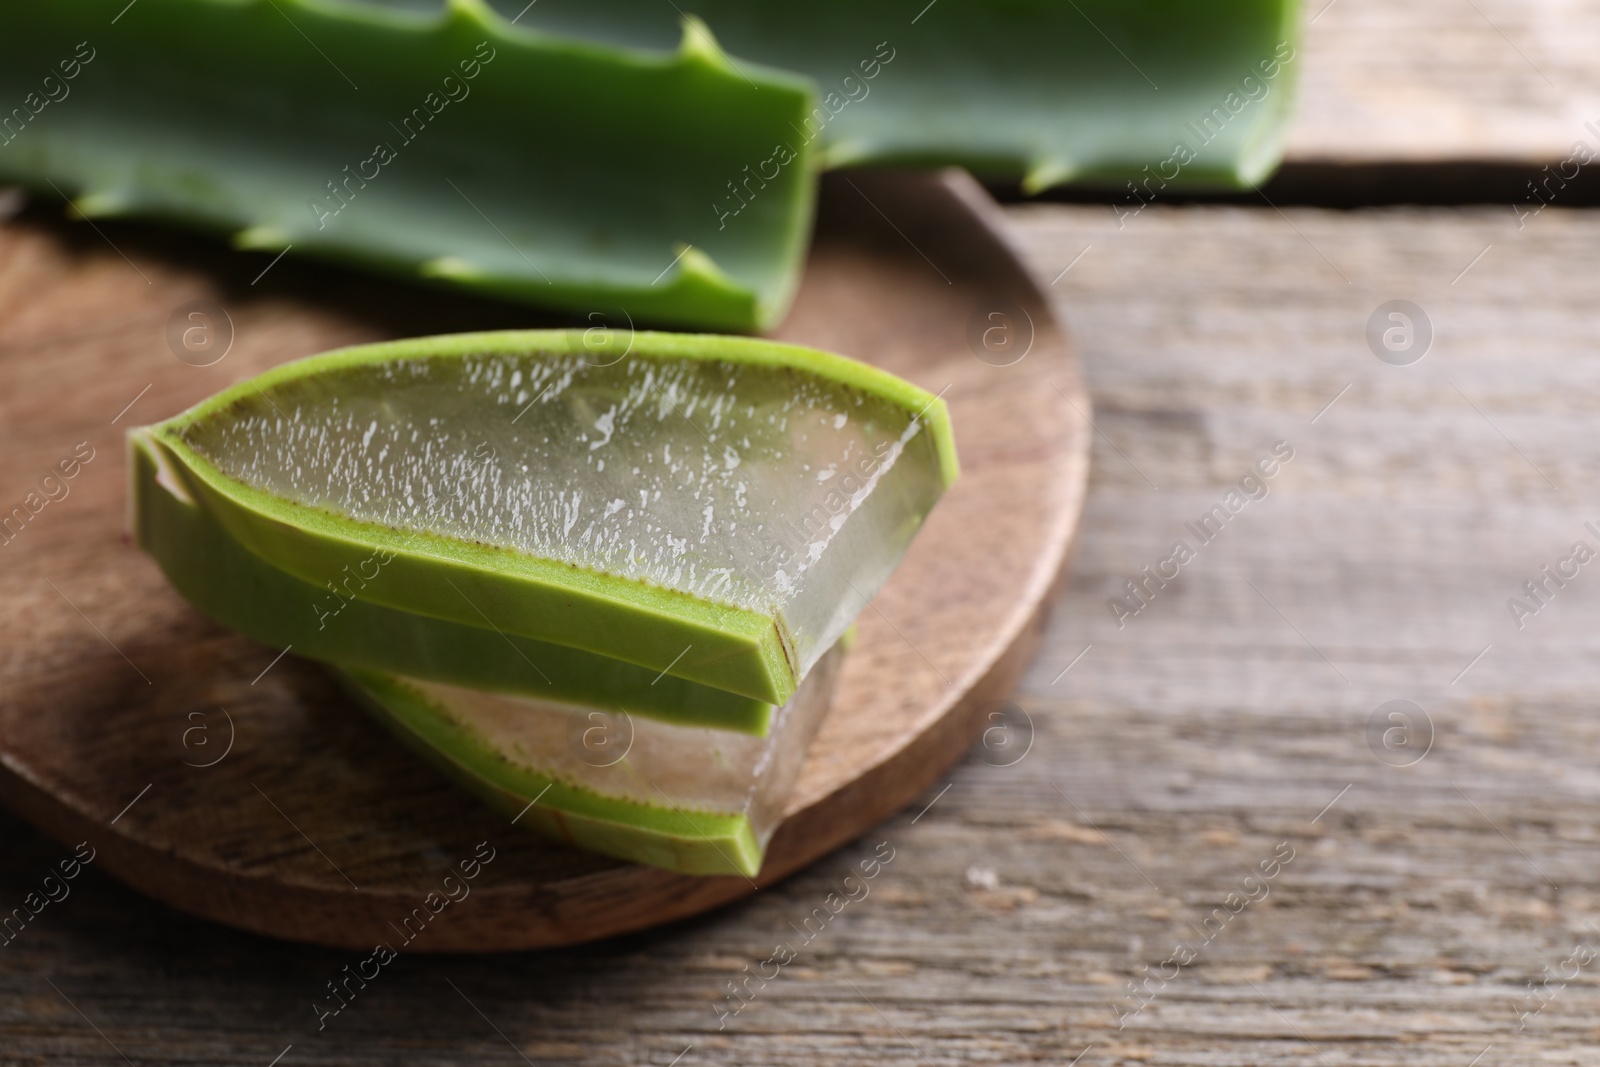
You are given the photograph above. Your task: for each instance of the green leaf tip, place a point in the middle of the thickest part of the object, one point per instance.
(99, 204)
(700, 45)
(1046, 173)
(261, 239)
(694, 266)
(847, 153)
(475, 11)
(452, 267)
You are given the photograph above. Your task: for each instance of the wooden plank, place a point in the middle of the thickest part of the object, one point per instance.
(1444, 80)
(1166, 764)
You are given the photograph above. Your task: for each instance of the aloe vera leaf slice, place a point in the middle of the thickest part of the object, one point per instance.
(692, 800)
(568, 174)
(737, 569)
(1044, 91)
(330, 623)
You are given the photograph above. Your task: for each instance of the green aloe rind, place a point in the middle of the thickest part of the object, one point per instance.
(1182, 93)
(333, 624)
(691, 842)
(747, 652)
(448, 146)
(692, 800)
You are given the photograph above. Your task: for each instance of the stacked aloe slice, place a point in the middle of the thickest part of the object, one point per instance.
(604, 579)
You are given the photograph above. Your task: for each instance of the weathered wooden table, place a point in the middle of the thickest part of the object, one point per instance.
(1226, 844)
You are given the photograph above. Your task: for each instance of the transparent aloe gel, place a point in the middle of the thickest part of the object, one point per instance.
(687, 798)
(680, 528)
(768, 489)
(332, 623)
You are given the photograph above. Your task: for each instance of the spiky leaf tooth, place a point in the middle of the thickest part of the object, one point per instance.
(1092, 90)
(333, 623)
(691, 800)
(715, 508)
(450, 146)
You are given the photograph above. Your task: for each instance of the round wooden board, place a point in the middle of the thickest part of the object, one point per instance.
(211, 774)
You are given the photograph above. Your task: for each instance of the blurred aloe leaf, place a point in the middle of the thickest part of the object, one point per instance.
(1182, 93)
(449, 145)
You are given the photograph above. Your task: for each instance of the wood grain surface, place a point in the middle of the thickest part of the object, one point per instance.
(254, 792)
(1170, 761)
(1447, 81)
(1178, 752)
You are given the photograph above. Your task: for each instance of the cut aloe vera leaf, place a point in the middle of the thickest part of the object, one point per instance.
(332, 624)
(1045, 91)
(448, 146)
(716, 508)
(689, 799)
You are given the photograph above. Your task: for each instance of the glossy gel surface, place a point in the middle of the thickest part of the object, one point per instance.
(766, 489)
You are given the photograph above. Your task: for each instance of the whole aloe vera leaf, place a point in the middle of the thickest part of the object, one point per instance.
(450, 146)
(757, 493)
(1043, 90)
(331, 623)
(692, 800)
